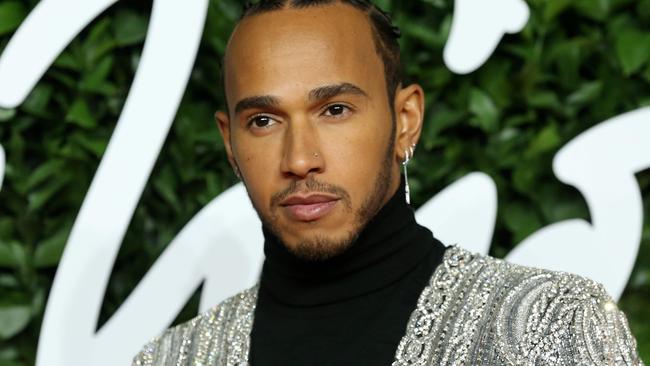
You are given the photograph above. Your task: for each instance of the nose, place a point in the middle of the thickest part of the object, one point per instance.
(302, 155)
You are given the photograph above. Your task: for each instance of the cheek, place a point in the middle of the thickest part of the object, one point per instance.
(251, 152)
(257, 162)
(364, 141)
(357, 153)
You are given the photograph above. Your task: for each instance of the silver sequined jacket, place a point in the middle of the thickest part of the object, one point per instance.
(476, 310)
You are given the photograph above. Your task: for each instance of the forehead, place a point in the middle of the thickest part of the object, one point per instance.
(290, 51)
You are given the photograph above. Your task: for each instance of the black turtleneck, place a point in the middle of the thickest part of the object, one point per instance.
(348, 310)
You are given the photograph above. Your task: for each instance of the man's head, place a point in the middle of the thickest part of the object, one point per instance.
(317, 123)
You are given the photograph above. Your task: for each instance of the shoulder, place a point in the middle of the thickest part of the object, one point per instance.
(544, 316)
(207, 337)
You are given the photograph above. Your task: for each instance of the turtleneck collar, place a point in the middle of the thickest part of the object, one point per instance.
(390, 246)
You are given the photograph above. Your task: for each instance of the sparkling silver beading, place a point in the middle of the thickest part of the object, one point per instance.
(476, 310)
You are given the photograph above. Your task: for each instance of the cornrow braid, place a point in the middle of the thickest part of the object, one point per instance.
(385, 33)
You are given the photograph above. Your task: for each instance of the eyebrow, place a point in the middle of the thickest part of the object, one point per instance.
(259, 101)
(331, 91)
(315, 95)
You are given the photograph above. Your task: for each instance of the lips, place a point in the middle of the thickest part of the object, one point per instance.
(309, 208)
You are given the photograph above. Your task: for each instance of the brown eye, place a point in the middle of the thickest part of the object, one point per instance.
(261, 122)
(336, 110)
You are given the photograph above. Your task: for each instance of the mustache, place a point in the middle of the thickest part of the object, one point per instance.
(311, 185)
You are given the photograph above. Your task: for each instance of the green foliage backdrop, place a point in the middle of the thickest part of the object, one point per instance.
(577, 63)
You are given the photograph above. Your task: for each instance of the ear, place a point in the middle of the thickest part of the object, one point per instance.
(223, 122)
(409, 114)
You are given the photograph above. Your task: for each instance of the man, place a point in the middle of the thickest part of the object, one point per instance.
(318, 127)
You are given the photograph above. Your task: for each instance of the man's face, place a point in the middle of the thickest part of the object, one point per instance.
(310, 127)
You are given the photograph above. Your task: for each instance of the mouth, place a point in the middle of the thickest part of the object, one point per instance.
(307, 208)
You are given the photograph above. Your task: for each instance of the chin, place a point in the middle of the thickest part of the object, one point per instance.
(319, 248)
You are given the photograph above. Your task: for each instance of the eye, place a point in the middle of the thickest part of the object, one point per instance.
(336, 110)
(261, 121)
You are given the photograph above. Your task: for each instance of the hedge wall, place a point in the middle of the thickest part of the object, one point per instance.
(577, 63)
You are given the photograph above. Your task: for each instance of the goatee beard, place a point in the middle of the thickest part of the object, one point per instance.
(321, 248)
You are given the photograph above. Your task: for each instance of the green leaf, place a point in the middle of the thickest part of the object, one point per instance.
(586, 93)
(520, 119)
(95, 144)
(445, 29)
(64, 79)
(12, 14)
(95, 79)
(420, 32)
(37, 199)
(48, 252)
(643, 9)
(544, 99)
(436, 3)
(67, 61)
(80, 115)
(7, 226)
(9, 281)
(223, 9)
(37, 101)
(646, 74)
(553, 8)
(12, 363)
(46, 170)
(521, 220)
(439, 76)
(525, 177)
(595, 9)
(384, 4)
(6, 114)
(13, 319)
(632, 49)
(486, 112)
(129, 28)
(548, 139)
(98, 43)
(38, 300)
(556, 205)
(166, 186)
(12, 255)
(567, 56)
(8, 354)
(439, 120)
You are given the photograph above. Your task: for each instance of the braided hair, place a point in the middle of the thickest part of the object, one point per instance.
(385, 34)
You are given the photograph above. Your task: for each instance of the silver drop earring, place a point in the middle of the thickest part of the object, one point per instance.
(408, 155)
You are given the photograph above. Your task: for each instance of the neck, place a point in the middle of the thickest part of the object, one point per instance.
(390, 246)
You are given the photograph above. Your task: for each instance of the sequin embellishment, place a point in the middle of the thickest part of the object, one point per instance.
(476, 310)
